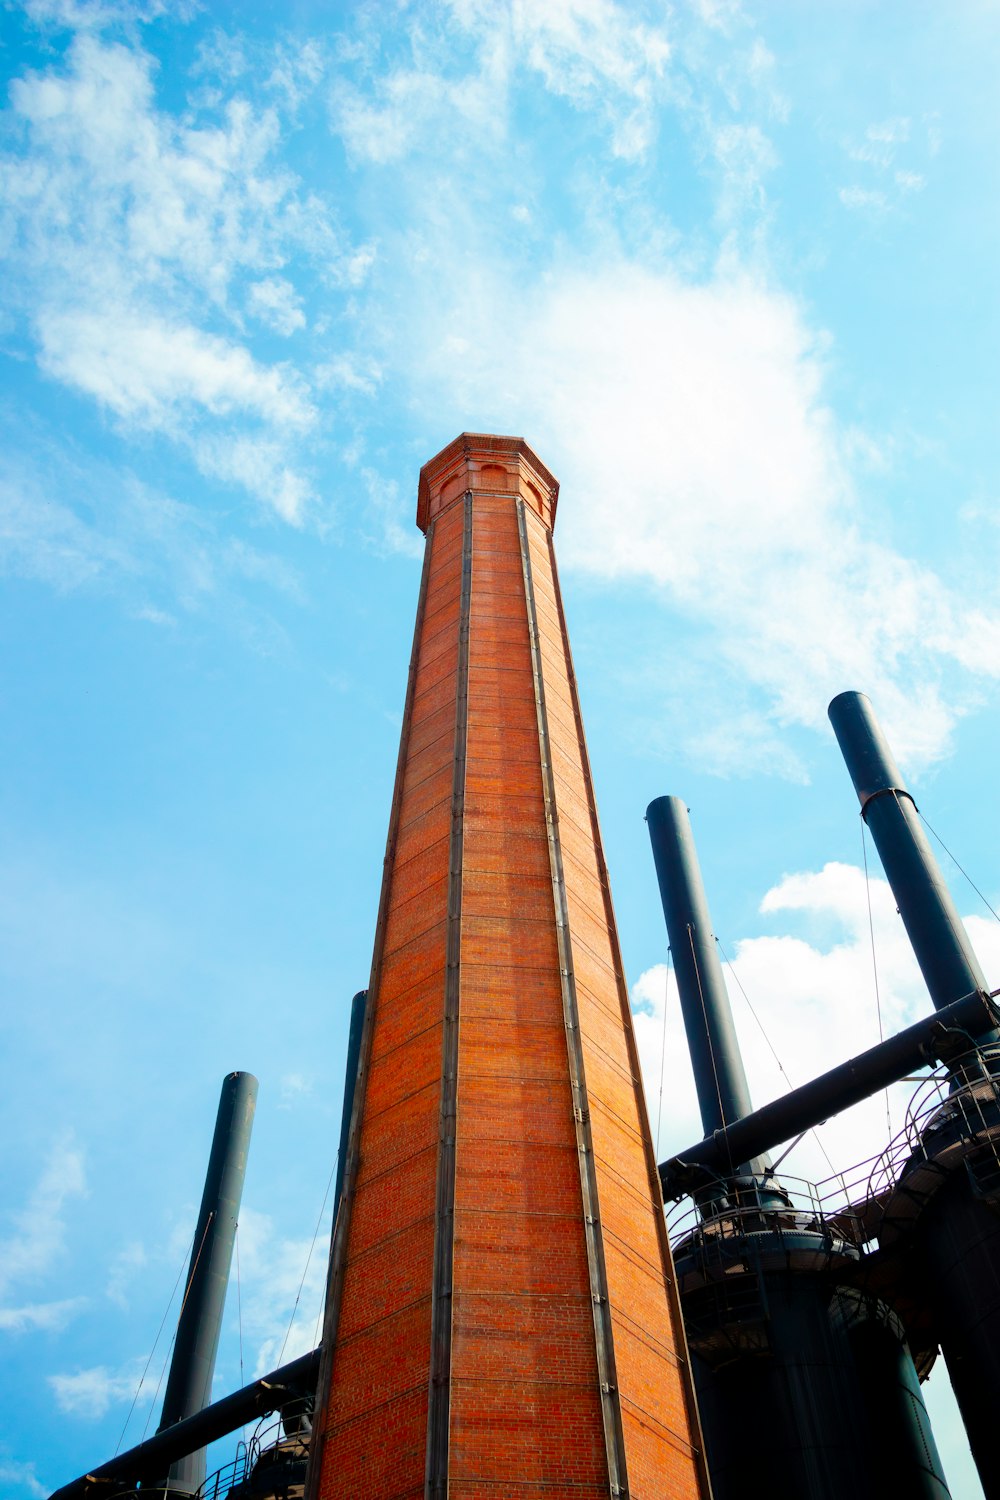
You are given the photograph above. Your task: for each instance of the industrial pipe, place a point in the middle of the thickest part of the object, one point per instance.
(949, 1031)
(719, 1076)
(350, 1079)
(935, 930)
(148, 1459)
(723, 1092)
(189, 1384)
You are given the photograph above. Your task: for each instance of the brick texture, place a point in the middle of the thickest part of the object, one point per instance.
(525, 1412)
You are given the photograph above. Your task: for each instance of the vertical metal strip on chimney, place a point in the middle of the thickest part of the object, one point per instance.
(342, 1221)
(694, 1420)
(439, 1403)
(604, 1339)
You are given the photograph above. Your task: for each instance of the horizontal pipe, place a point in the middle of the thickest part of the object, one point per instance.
(148, 1460)
(790, 1116)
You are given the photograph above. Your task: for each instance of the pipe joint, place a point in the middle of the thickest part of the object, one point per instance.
(886, 791)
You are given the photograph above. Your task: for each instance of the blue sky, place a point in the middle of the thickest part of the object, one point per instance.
(730, 269)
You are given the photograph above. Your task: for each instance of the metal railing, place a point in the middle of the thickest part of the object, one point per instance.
(782, 1205)
(274, 1438)
(954, 1110)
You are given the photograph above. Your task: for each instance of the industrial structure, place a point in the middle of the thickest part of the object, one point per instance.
(504, 1316)
(500, 1300)
(785, 1330)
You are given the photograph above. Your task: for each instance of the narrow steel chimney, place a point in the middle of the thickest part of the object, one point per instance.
(189, 1384)
(940, 942)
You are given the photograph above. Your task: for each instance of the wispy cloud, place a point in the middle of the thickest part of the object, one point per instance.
(276, 303)
(859, 197)
(746, 156)
(76, 524)
(155, 374)
(390, 514)
(283, 1279)
(49, 1317)
(135, 239)
(23, 1476)
(600, 56)
(91, 1393)
(888, 182)
(94, 15)
(125, 1266)
(294, 1088)
(882, 142)
(36, 1241)
(688, 424)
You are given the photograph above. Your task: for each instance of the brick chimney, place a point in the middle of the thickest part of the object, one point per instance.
(501, 1314)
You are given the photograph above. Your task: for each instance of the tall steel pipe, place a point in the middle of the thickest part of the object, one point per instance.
(189, 1384)
(943, 1220)
(720, 1079)
(940, 942)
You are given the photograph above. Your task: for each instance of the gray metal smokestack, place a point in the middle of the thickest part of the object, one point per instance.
(189, 1384)
(723, 1092)
(935, 930)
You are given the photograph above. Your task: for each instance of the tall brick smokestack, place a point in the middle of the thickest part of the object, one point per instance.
(501, 1316)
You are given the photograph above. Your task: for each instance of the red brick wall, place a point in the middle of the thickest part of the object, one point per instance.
(525, 1406)
(657, 1416)
(376, 1423)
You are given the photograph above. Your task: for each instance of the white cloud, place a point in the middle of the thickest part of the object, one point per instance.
(294, 1087)
(910, 182)
(135, 237)
(878, 154)
(275, 302)
(761, 63)
(109, 534)
(129, 1260)
(283, 1284)
(257, 463)
(687, 422)
(150, 372)
(91, 1393)
(597, 54)
(814, 994)
(23, 1476)
(92, 15)
(355, 372)
(392, 517)
(864, 198)
(298, 70)
(594, 53)
(720, 15)
(50, 1317)
(882, 141)
(36, 1241)
(406, 108)
(746, 156)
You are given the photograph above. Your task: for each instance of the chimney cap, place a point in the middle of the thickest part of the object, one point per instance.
(484, 450)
